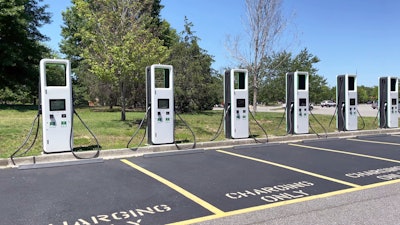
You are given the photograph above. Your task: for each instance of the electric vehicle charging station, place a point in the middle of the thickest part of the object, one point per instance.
(346, 100)
(236, 99)
(160, 103)
(388, 99)
(297, 102)
(56, 101)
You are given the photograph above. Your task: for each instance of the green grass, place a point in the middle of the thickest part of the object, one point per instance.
(16, 121)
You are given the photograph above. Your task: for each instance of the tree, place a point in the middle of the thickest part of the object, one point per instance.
(195, 86)
(71, 44)
(362, 95)
(318, 88)
(116, 43)
(273, 86)
(161, 28)
(20, 47)
(265, 23)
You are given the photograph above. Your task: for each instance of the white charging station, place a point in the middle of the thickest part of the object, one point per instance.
(297, 102)
(388, 98)
(346, 100)
(56, 102)
(236, 99)
(160, 101)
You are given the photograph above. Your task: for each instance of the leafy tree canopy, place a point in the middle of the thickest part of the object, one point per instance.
(275, 69)
(20, 43)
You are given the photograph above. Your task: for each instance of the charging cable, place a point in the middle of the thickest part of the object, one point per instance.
(334, 113)
(190, 129)
(37, 118)
(220, 124)
(259, 125)
(291, 128)
(326, 133)
(362, 119)
(290, 121)
(342, 113)
(282, 117)
(94, 136)
(384, 116)
(140, 126)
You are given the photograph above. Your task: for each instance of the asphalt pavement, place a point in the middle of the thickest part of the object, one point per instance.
(375, 206)
(346, 180)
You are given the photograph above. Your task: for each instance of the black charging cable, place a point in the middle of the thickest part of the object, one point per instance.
(37, 118)
(94, 136)
(334, 113)
(259, 125)
(384, 116)
(137, 131)
(290, 127)
(319, 136)
(219, 131)
(362, 119)
(283, 117)
(190, 129)
(337, 106)
(290, 121)
(376, 118)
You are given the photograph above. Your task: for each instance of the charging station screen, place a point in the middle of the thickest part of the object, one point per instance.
(57, 104)
(302, 82)
(394, 101)
(241, 103)
(161, 76)
(302, 102)
(351, 81)
(352, 101)
(393, 84)
(163, 103)
(240, 79)
(56, 74)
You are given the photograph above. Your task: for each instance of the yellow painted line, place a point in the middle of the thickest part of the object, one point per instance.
(291, 168)
(288, 202)
(182, 191)
(374, 142)
(347, 153)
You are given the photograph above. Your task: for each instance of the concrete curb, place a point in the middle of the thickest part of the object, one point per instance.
(126, 153)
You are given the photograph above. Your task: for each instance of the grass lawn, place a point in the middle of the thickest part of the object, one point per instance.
(16, 121)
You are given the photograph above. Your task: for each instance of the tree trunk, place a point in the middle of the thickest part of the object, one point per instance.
(255, 93)
(123, 103)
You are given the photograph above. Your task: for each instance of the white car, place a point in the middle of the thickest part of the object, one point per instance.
(328, 103)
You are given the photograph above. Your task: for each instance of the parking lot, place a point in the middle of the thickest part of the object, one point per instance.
(204, 186)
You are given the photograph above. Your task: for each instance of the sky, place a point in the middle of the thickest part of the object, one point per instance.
(348, 36)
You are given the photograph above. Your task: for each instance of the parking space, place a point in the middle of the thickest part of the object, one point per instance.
(373, 147)
(187, 188)
(101, 193)
(382, 139)
(230, 183)
(334, 165)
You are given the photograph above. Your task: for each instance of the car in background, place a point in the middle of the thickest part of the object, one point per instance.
(374, 104)
(328, 103)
